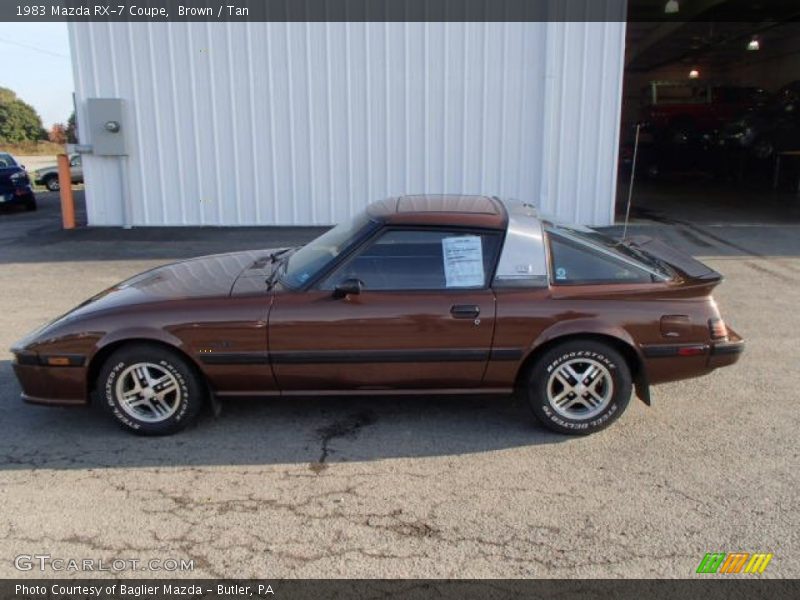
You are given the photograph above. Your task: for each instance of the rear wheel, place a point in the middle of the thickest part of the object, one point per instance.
(51, 183)
(579, 387)
(150, 390)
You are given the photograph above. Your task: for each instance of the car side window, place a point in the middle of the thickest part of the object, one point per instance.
(76, 161)
(573, 264)
(421, 260)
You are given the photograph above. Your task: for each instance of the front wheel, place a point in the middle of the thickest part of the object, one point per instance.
(579, 387)
(150, 390)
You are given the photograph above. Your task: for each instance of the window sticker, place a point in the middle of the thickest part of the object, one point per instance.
(463, 261)
(561, 273)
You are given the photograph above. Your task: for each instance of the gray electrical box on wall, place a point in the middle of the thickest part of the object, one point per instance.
(107, 126)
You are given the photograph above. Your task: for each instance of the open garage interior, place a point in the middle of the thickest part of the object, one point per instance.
(716, 104)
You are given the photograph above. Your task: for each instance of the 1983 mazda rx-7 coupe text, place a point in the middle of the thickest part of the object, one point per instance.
(417, 294)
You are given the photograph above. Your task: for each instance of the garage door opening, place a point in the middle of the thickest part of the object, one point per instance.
(718, 109)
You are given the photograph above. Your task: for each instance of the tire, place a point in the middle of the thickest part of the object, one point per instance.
(553, 393)
(150, 390)
(51, 183)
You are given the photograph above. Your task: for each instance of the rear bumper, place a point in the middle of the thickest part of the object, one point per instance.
(672, 362)
(726, 353)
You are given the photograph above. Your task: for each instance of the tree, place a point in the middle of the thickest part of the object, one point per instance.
(58, 134)
(19, 122)
(72, 129)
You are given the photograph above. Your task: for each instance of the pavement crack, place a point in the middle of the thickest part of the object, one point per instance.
(348, 428)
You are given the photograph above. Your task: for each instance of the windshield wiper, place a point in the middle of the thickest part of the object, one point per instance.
(648, 258)
(273, 257)
(282, 258)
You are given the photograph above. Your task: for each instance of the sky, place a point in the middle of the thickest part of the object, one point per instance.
(38, 67)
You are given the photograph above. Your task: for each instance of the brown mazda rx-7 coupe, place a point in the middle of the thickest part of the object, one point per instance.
(415, 295)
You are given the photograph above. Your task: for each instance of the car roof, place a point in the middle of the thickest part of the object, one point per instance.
(441, 209)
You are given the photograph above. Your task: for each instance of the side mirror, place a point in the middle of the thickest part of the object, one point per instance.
(347, 287)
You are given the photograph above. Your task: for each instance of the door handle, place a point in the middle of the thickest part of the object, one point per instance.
(465, 311)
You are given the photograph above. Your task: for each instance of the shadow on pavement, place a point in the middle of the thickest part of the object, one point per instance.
(315, 431)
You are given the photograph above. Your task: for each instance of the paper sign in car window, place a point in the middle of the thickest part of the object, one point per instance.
(463, 261)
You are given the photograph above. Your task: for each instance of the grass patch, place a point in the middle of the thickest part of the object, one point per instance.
(38, 148)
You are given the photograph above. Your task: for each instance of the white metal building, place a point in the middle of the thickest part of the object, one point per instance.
(305, 123)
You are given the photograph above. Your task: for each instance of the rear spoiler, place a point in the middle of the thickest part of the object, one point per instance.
(681, 261)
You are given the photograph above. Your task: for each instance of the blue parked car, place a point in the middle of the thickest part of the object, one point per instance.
(15, 185)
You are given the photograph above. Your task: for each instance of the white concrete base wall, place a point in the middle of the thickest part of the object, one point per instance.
(305, 123)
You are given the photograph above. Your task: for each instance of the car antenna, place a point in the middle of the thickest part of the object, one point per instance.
(630, 185)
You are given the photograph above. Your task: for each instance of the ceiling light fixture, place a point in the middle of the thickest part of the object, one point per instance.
(753, 45)
(694, 74)
(672, 7)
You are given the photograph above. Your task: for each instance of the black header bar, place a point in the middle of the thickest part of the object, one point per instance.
(393, 10)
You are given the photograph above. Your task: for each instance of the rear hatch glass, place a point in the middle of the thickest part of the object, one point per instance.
(623, 250)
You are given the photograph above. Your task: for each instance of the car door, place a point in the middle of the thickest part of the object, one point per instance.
(423, 317)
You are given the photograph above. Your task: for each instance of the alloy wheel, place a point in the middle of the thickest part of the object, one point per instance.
(580, 388)
(148, 392)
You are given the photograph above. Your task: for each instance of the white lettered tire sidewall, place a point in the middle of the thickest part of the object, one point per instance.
(191, 391)
(571, 350)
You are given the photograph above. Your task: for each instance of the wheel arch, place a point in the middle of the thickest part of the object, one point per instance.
(100, 357)
(622, 344)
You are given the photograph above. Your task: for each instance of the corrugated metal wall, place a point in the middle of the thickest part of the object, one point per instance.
(304, 123)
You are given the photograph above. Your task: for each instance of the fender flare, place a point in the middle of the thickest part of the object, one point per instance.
(592, 326)
(153, 334)
(139, 333)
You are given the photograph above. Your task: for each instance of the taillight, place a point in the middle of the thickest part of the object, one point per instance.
(717, 329)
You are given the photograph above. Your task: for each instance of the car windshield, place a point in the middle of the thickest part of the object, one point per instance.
(6, 160)
(305, 263)
(621, 249)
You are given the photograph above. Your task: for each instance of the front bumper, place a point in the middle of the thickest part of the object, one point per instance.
(52, 385)
(16, 195)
